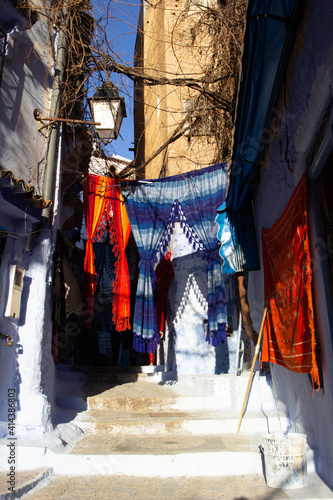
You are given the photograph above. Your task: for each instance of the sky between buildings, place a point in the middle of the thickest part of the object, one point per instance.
(121, 29)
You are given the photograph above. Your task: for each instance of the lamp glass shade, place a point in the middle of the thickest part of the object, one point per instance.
(108, 109)
(103, 113)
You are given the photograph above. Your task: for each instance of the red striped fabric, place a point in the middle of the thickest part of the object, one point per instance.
(289, 336)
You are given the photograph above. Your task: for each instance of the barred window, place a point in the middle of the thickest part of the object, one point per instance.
(199, 120)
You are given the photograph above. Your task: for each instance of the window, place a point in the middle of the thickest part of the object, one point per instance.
(199, 120)
(18, 277)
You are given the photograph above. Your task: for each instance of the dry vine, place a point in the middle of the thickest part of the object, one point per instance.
(211, 34)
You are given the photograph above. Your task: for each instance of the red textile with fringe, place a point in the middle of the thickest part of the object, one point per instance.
(104, 209)
(164, 275)
(289, 336)
(96, 204)
(121, 287)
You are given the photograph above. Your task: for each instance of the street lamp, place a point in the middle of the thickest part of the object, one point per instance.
(108, 110)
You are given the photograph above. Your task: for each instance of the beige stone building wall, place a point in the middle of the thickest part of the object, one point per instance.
(171, 45)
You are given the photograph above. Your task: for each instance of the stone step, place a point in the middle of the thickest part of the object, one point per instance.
(152, 456)
(139, 396)
(87, 384)
(176, 460)
(148, 369)
(107, 401)
(175, 421)
(74, 391)
(152, 408)
(175, 444)
(113, 399)
(97, 370)
(229, 390)
(116, 487)
(193, 392)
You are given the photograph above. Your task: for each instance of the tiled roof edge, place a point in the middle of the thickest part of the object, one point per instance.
(29, 191)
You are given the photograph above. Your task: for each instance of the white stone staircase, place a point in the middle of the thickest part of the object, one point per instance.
(160, 428)
(132, 427)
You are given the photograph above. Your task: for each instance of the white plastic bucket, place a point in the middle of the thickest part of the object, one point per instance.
(285, 460)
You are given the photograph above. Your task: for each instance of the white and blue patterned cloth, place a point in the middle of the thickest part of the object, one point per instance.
(153, 207)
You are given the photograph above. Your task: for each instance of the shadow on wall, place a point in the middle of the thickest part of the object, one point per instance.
(21, 59)
(10, 385)
(9, 371)
(188, 351)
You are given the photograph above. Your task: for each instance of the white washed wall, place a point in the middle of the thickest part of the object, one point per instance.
(189, 353)
(27, 366)
(26, 85)
(301, 104)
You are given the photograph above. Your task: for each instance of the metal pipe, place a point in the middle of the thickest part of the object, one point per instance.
(50, 164)
(65, 120)
(55, 219)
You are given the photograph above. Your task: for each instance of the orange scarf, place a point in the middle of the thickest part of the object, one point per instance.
(96, 196)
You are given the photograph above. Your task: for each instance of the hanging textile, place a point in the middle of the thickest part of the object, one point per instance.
(121, 286)
(153, 208)
(148, 225)
(164, 275)
(66, 294)
(270, 31)
(199, 207)
(97, 212)
(236, 232)
(289, 337)
(104, 210)
(105, 260)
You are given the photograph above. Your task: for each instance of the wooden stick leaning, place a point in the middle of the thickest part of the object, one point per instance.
(256, 352)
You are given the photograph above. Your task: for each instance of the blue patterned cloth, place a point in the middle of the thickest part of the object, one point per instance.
(153, 207)
(237, 236)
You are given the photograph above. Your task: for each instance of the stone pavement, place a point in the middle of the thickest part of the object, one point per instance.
(249, 487)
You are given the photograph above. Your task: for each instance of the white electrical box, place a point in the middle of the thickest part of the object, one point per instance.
(16, 275)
